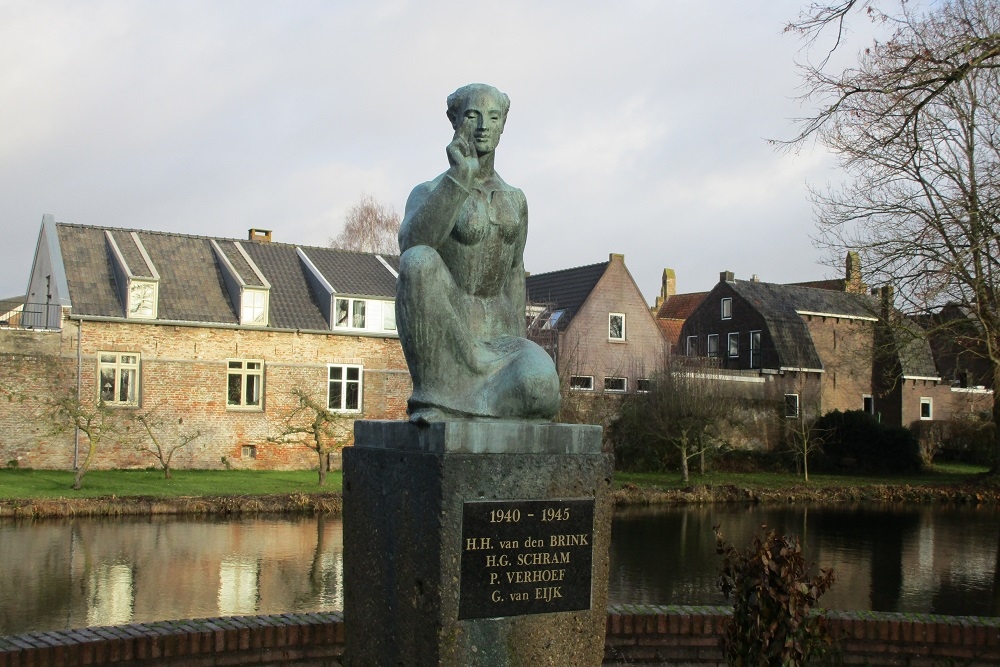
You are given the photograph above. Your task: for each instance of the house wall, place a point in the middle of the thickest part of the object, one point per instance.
(183, 376)
(845, 346)
(707, 319)
(585, 348)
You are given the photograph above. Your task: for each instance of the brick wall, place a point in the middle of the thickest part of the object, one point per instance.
(585, 348)
(845, 348)
(636, 635)
(183, 376)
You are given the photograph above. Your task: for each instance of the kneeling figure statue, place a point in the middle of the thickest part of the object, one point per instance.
(460, 298)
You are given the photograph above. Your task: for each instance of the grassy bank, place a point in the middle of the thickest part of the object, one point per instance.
(47, 493)
(41, 484)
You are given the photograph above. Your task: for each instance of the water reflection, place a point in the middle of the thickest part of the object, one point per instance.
(924, 559)
(81, 572)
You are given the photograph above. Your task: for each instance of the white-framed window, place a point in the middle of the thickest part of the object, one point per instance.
(142, 296)
(244, 384)
(253, 309)
(727, 308)
(349, 314)
(616, 385)
(691, 349)
(754, 349)
(616, 326)
(643, 385)
(713, 345)
(791, 406)
(868, 404)
(344, 388)
(926, 408)
(734, 345)
(581, 382)
(388, 315)
(118, 373)
(248, 451)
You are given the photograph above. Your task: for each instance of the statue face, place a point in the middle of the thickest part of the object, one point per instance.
(483, 113)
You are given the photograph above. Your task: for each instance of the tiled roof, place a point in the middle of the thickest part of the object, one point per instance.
(192, 286)
(780, 306)
(566, 289)
(680, 306)
(671, 330)
(914, 350)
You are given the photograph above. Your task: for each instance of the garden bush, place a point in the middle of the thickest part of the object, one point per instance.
(854, 438)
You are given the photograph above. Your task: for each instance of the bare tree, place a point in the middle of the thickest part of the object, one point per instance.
(673, 420)
(911, 78)
(98, 421)
(370, 226)
(923, 205)
(324, 431)
(164, 446)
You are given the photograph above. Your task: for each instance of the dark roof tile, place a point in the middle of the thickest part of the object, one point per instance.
(565, 290)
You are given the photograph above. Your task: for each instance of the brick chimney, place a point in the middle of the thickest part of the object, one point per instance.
(852, 274)
(668, 288)
(727, 277)
(259, 235)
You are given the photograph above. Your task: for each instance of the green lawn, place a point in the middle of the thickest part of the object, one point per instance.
(124, 483)
(944, 474)
(41, 484)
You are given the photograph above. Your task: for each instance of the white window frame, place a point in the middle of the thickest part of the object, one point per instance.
(792, 413)
(929, 402)
(143, 296)
(248, 452)
(589, 382)
(352, 313)
(611, 318)
(726, 308)
(345, 382)
(755, 341)
(643, 385)
(712, 350)
(692, 346)
(253, 307)
(388, 316)
(120, 365)
(733, 342)
(623, 380)
(245, 370)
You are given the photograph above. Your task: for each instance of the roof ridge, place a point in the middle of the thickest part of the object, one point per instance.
(573, 268)
(158, 232)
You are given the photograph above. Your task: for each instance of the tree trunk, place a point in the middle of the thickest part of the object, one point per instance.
(701, 460)
(82, 470)
(805, 462)
(322, 467)
(166, 472)
(684, 457)
(995, 470)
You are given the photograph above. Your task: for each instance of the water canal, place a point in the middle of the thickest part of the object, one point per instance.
(61, 574)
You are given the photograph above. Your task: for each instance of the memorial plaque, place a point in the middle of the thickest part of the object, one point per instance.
(526, 557)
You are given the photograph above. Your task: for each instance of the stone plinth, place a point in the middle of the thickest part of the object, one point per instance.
(417, 591)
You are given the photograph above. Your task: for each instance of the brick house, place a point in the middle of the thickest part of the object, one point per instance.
(211, 333)
(596, 324)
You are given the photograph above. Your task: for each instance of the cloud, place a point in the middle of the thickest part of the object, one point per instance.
(636, 127)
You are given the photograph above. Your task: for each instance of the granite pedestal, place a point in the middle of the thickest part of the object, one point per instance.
(476, 544)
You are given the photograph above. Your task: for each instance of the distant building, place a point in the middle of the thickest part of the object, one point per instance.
(211, 332)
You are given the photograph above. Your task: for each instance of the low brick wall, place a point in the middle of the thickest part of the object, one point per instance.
(636, 635)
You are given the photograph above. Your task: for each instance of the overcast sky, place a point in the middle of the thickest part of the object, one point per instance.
(636, 127)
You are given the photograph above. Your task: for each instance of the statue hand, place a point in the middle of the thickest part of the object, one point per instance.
(462, 154)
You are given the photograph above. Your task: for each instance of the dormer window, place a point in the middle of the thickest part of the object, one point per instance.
(727, 308)
(349, 314)
(253, 311)
(142, 298)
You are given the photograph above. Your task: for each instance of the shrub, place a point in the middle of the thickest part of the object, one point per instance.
(772, 598)
(855, 437)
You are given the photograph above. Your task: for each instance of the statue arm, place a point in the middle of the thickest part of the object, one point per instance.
(514, 287)
(431, 211)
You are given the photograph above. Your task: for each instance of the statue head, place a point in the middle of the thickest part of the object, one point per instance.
(486, 103)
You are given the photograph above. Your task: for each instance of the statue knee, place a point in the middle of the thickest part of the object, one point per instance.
(419, 263)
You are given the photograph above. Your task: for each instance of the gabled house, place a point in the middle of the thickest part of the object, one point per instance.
(817, 343)
(210, 332)
(596, 324)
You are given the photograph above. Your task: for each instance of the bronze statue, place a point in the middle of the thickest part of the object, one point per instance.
(460, 299)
